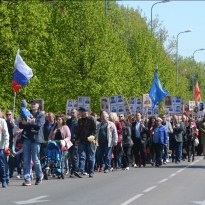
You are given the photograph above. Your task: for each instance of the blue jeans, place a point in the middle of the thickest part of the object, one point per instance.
(31, 150)
(178, 151)
(18, 161)
(63, 158)
(86, 150)
(74, 158)
(105, 156)
(2, 166)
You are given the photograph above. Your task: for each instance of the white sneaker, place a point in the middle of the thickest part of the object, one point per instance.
(85, 174)
(167, 160)
(127, 168)
(111, 169)
(18, 176)
(135, 166)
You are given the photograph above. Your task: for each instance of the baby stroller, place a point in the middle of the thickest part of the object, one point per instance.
(52, 164)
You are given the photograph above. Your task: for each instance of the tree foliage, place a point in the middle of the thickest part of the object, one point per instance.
(75, 50)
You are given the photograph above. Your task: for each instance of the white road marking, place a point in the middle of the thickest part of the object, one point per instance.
(149, 189)
(199, 202)
(163, 180)
(172, 175)
(132, 199)
(181, 170)
(33, 200)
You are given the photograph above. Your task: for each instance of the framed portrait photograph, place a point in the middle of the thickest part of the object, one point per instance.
(80, 101)
(70, 103)
(191, 105)
(171, 109)
(120, 109)
(132, 101)
(105, 104)
(138, 101)
(75, 104)
(86, 100)
(113, 108)
(156, 111)
(138, 109)
(149, 111)
(147, 101)
(177, 108)
(120, 99)
(113, 100)
(178, 100)
(201, 106)
(168, 101)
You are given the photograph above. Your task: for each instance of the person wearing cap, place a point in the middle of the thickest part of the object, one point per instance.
(4, 145)
(160, 139)
(31, 143)
(85, 131)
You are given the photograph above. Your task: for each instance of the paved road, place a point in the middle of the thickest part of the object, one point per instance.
(180, 184)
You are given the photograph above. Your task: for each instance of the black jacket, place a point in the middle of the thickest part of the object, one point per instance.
(35, 129)
(126, 134)
(85, 127)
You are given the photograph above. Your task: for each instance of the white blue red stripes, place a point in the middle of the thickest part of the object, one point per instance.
(22, 73)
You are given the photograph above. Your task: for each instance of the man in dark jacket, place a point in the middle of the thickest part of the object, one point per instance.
(178, 133)
(11, 162)
(86, 127)
(72, 124)
(139, 138)
(33, 129)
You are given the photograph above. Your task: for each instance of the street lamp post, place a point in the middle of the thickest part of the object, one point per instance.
(201, 49)
(177, 54)
(159, 2)
(106, 6)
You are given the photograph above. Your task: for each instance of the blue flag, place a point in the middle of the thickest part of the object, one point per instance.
(157, 93)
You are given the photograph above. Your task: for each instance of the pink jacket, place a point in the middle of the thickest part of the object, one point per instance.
(65, 133)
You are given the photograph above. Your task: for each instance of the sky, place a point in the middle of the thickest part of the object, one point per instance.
(176, 17)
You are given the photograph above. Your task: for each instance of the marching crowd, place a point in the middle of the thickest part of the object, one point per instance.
(90, 143)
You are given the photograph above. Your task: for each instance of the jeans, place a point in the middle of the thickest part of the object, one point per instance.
(86, 150)
(63, 158)
(105, 156)
(178, 151)
(74, 158)
(6, 159)
(31, 150)
(18, 161)
(2, 166)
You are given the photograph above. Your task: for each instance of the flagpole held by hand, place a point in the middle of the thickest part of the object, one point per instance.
(14, 105)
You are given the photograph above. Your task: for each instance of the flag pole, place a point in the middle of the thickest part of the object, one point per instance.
(14, 103)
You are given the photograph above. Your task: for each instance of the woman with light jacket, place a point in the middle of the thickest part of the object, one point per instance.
(61, 132)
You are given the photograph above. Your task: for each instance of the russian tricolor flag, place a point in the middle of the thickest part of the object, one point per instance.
(22, 73)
